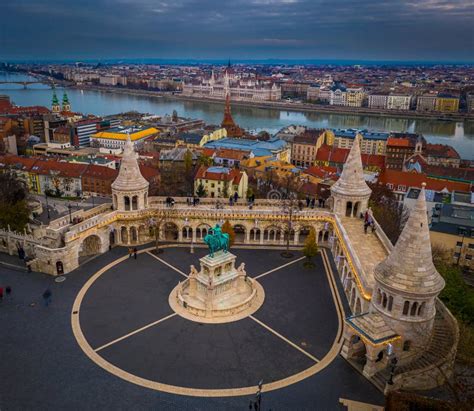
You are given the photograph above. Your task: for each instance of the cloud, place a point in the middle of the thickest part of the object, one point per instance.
(365, 29)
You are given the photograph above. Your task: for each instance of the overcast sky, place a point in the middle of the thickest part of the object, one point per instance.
(238, 29)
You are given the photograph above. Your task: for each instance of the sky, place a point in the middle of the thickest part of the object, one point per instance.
(417, 30)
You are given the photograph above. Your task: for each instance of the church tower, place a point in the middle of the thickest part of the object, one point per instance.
(407, 283)
(351, 193)
(130, 189)
(233, 130)
(66, 104)
(55, 107)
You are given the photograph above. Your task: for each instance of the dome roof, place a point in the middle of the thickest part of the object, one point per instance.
(351, 182)
(129, 177)
(409, 267)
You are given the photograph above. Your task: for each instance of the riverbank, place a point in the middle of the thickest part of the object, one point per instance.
(286, 106)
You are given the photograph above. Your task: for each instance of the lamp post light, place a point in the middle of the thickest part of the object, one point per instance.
(47, 206)
(69, 208)
(256, 404)
(393, 365)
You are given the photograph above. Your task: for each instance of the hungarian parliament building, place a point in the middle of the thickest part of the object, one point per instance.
(250, 89)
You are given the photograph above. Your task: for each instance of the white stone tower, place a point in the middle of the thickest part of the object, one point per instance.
(130, 189)
(407, 284)
(351, 193)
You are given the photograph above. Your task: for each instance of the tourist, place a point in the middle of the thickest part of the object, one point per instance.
(313, 201)
(236, 197)
(366, 225)
(308, 201)
(135, 253)
(8, 291)
(47, 297)
(231, 201)
(130, 251)
(373, 226)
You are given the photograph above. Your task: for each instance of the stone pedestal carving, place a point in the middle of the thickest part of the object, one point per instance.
(218, 292)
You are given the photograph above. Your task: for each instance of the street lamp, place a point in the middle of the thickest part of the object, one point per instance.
(47, 206)
(257, 403)
(393, 365)
(69, 208)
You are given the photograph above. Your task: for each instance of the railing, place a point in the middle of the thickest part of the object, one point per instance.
(383, 237)
(65, 220)
(353, 260)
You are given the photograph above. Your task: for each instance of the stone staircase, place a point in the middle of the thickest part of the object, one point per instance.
(439, 351)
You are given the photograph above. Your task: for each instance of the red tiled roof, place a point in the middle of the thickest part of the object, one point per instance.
(339, 156)
(234, 175)
(412, 179)
(441, 150)
(150, 173)
(27, 110)
(61, 168)
(25, 162)
(398, 142)
(320, 171)
(100, 172)
(231, 154)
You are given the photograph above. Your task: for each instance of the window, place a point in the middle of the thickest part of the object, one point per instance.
(390, 303)
(458, 243)
(406, 345)
(406, 306)
(390, 186)
(471, 246)
(414, 309)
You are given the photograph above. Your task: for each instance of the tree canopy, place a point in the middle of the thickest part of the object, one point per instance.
(227, 228)
(14, 212)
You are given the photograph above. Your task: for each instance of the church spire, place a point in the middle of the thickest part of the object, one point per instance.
(409, 267)
(66, 104)
(55, 107)
(351, 181)
(233, 130)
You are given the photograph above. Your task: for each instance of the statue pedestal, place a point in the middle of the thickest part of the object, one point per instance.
(218, 292)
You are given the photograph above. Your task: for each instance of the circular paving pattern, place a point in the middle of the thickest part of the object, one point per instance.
(122, 320)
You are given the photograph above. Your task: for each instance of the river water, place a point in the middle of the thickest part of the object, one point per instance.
(458, 134)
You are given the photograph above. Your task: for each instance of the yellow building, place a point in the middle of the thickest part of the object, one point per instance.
(447, 104)
(220, 182)
(115, 138)
(355, 97)
(262, 167)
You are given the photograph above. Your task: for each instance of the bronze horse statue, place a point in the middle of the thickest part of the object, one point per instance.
(217, 240)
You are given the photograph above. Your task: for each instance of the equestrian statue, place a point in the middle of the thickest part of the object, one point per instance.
(216, 240)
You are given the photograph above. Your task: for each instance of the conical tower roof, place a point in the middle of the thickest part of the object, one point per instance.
(351, 182)
(130, 178)
(409, 267)
(65, 98)
(55, 98)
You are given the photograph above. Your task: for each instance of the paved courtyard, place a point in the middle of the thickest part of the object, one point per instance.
(133, 335)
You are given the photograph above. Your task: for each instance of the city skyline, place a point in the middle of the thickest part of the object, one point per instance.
(428, 30)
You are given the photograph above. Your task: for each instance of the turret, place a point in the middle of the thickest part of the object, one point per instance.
(66, 104)
(407, 282)
(130, 189)
(351, 193)
(55, 107)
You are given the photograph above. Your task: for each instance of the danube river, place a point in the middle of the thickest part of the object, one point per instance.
(458, 134)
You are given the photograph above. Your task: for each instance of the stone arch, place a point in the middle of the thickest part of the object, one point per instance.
(240, 232)
(170, 231)
(326, 236)
(414, 309)
(126, 203)
(135, 202)
(353, 293)
(133, 235)
(303, 233)
(255, 233)
(115, 201)
(357, 209)
(358, 351)
(348, 211)
(202, 230)
(124, 235)
(271, 234)
(112, 237)
(406, 307)
(406, 345)
(187, 233)
(379, 297)
(390, 303)
(91, 245)
(384, 300)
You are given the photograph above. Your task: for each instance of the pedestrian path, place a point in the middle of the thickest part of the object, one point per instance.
(12, 261)
(368, 248)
